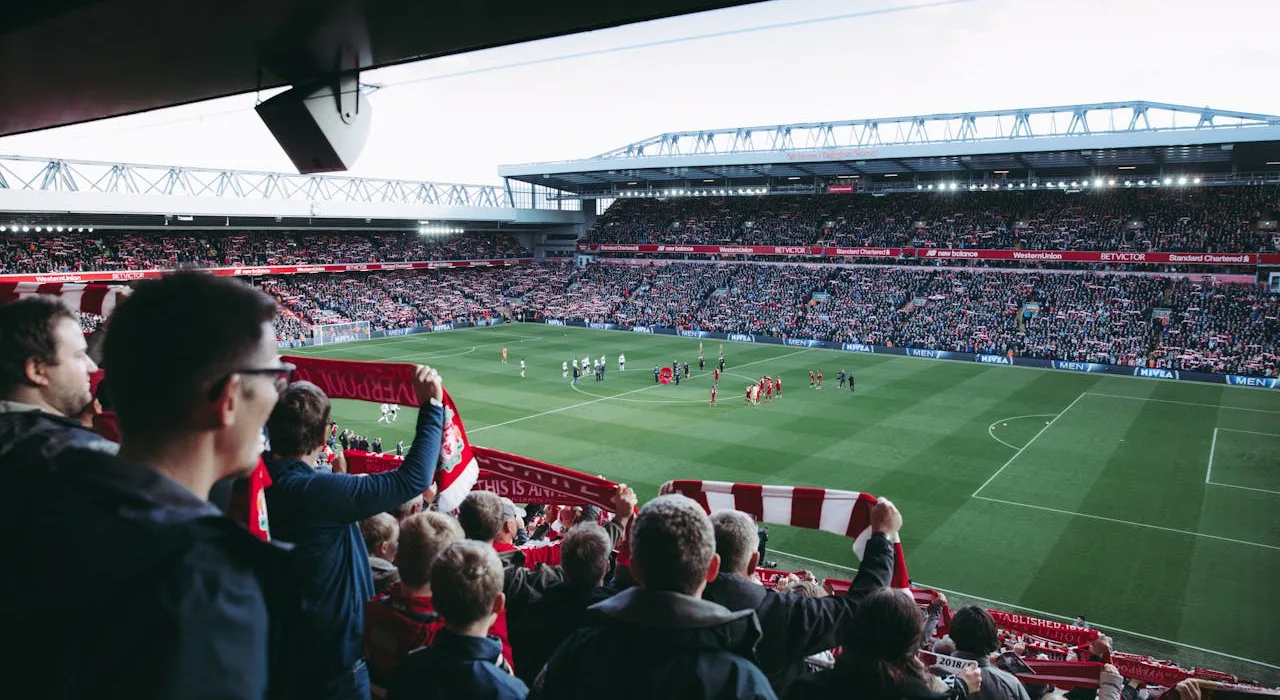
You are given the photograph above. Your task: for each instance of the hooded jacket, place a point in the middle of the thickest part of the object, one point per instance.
(657, 644)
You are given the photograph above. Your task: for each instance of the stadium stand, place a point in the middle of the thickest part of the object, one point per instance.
(27, 253)
(1217, 220)
(1172, 322)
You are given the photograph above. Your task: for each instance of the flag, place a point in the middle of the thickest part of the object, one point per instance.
(845, 513)
(100, 299)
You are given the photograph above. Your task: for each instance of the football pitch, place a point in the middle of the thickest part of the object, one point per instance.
(1151, 507)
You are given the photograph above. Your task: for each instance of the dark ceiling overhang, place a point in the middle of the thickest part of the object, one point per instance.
(72, 61)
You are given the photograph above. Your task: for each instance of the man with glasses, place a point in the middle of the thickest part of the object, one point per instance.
(321, 513)
(179, 600)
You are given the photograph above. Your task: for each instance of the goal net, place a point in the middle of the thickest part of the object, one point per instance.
(330, 333)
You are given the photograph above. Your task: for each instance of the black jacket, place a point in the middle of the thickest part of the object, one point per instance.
(28, 434)
(652, 644)
(794, 626)
(546, 623)
(133, 587)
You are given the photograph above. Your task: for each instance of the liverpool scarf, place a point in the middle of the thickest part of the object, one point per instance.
(385, 382)
(843, 512)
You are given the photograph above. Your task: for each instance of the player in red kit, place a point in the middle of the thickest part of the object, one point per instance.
(819, 379)
(811, 379)
(778, 384)
(713, 394)
(716, 375)
(768, 388)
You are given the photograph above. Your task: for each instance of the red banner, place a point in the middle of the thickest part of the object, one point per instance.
(839, 189)
(128, 275)
(1089, 256)
(1082, 256)
(1056, 631)
(700, 249)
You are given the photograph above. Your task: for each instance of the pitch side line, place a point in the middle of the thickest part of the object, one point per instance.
(1184, 403)
(1213, 446)
(625, 393)
(1024, 447)
(1130, 522)
(1004, 604)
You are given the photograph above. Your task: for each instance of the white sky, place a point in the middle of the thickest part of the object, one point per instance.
(942, 57)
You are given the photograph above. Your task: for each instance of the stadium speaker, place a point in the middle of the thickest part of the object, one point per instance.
(321, 128)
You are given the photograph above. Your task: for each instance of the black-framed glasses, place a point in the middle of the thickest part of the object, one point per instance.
(282, 374)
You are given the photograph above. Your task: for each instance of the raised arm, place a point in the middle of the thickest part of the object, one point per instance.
(347, 498)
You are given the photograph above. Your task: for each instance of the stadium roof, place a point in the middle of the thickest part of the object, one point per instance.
(73, 61)
(41, 191)
(1135, 138)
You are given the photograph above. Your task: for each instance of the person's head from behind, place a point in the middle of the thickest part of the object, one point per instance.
(192, 361)
(413, 506)
(882, 639)
(381, 535)
(584, 554)
(422, 538)
(673, 546)
(487, 517)
(737, 541)
(974, 631)
(466, 586)
(298, 423)
(43, 356)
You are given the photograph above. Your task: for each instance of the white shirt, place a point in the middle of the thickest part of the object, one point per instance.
(386, 408)
(564, 366)
(622, 358)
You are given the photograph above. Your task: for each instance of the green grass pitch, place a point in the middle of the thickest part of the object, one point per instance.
(1059, 492)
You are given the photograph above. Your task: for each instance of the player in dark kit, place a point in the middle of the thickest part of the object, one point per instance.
(840, 378)
(702, 363)
(721, 365)
(851, 382)
(655, 374)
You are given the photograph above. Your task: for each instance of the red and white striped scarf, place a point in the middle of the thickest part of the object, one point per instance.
(97, 299)
(845, 513)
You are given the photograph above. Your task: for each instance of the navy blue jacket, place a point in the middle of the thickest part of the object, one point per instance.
(127, 585)
(320, 514)
(456, 667)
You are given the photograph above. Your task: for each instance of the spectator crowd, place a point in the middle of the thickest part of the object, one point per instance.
(1171, 322)
(1210, 219)
(205, 555)
(31, 253)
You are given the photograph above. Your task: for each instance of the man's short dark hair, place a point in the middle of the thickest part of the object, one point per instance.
(465, 580)
(672, 543)
(974, 630)
(299, 422)
(173, 339)
(737, 538)
(27, 331)
(480, 515)
(584, 554)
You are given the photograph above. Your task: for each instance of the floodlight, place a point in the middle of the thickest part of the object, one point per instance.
(1168, 181)
(1111, 182)
(25, 228)
(1097, 182)
(920, 187)
(1182, 180)
(954, 185)
(59, 229)
(1022, 185)
(1142, 183)
(1196, 181)
(931, 185)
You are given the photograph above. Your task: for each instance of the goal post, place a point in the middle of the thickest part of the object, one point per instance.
(330, 333)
